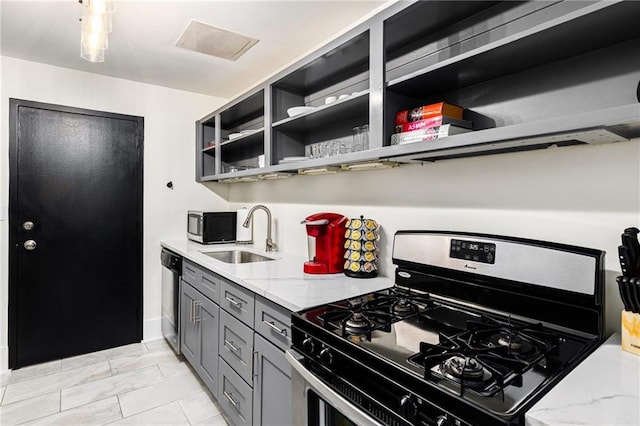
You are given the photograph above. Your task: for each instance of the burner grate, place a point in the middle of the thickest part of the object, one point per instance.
(529, 343)
(484, 370)
(356, 319)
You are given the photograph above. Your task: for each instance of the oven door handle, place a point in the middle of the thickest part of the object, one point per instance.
(331, 397)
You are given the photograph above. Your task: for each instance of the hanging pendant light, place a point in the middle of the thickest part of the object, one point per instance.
(95, 28)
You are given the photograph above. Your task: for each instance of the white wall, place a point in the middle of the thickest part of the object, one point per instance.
(581, 195)
(169, 155)
(584, 195)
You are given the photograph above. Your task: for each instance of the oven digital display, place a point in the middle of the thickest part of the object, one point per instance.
(473, 250)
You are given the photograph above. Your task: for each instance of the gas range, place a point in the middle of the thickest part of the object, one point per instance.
(476, 329)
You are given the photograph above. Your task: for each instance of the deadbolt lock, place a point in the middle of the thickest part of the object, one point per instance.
(28, 225)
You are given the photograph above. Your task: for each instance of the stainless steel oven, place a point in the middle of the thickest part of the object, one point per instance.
(316, 404)
(475, 330)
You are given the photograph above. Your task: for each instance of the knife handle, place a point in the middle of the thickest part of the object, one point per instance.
(630, 241)
(632, 231)
(623, 293)
(623, 255)
(634, 286)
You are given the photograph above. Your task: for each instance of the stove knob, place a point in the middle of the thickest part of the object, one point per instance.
(308, 345)
(326, 357)
(409, 407)
(442, 421)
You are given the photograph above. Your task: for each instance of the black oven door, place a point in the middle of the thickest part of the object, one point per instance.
(316, 404)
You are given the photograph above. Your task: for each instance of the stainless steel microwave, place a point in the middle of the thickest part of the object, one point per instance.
(211, 227)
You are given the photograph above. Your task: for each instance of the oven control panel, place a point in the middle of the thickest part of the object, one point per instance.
(473, 250)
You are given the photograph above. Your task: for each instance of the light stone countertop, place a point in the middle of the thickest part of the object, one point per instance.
(603, 390)
(282, 280)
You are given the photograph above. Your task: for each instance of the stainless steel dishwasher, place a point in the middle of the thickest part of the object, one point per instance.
(171, 290)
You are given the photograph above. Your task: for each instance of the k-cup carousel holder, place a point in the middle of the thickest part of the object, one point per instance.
(361, 248)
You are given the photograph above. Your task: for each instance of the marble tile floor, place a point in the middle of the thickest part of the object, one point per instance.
(138, 384)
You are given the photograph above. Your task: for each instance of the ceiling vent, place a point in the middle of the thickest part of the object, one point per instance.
(214, 41)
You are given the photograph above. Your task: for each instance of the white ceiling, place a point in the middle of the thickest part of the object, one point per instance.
(142, 43)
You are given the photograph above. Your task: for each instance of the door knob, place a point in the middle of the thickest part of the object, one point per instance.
(28, 225)
(30, 245)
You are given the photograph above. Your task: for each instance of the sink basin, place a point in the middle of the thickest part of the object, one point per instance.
(237, 256)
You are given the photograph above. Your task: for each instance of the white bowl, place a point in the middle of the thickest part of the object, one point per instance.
(330, 99)
(235, 135)
(343, 96)
(299, 110)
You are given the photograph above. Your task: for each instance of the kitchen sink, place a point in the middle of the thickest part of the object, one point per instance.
(237, 256)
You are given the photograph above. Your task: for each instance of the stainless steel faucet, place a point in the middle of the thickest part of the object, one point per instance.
(271, 246)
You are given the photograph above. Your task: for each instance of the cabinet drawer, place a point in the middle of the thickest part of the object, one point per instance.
(203, 280)
(236, 345)
(273, 322)
(235, 396)
(237, 301)
(190, 271)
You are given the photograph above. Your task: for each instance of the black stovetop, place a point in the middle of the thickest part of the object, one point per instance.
(495, 362)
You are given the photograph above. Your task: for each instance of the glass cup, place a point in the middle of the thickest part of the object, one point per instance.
(364, 136)
(334, 148)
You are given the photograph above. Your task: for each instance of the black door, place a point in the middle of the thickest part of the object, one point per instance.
(75, 219)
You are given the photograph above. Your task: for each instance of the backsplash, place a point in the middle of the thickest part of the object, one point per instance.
(570, 195)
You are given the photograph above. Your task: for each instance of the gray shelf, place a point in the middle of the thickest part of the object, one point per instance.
(338, 64)
(596, 127)
(353, 106)
(246, 110)
(258, 135)
(556, 39)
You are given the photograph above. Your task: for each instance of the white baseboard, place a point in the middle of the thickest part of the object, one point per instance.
(152, 329)
(4, 360)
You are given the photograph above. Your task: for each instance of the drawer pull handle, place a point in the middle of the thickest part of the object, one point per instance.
(196, 317)
(256, 363)
(273, 325)
(230, 398)
(233, 302)
(231, 346)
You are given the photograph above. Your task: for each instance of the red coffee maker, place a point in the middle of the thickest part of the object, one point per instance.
(325, 233)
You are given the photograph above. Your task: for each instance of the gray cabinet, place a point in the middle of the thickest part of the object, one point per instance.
(238, 301)
(202, 279)
(271, 385)
(235, 396)
(200, 328)
(209, 318)
(273, 322)
(189, 333)
(514, 66)
(237, 347)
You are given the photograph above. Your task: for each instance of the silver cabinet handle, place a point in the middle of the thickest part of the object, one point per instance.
(233, 302)
(196, 317)
(229, 398)
(273, 325)
(191, 312)
(30, 245)
(256, 363)
(231, 346)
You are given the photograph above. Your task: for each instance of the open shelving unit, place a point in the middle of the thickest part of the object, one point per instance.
(530, 75)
